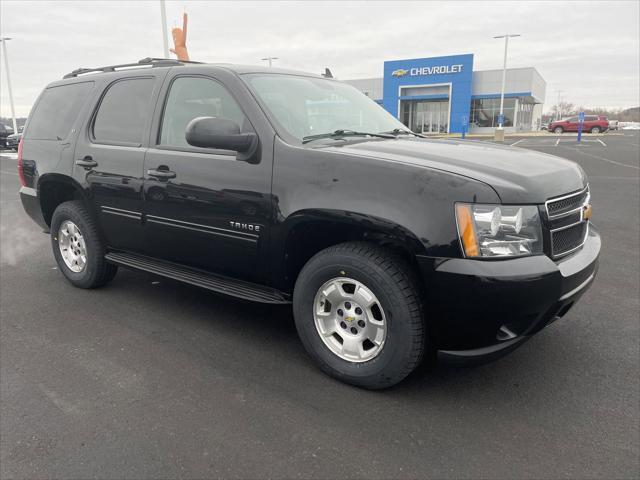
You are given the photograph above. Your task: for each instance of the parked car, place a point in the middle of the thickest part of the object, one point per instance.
(592, 124)
(613, 125)
(392, 248)
(5, 131)
(14, 139)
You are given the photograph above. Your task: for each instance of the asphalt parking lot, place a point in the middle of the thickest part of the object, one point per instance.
(151, 379)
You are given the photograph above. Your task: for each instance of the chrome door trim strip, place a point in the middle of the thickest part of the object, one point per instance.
(121, 212)
(198, 225)
(171, 224)
(120, 209)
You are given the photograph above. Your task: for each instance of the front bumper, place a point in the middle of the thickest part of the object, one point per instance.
(484, 309)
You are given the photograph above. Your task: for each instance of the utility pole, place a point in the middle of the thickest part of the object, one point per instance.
(165, 34)
(269, 59)
(4, 41)
(499, 134)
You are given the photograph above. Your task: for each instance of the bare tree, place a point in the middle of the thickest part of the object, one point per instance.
(563, 109)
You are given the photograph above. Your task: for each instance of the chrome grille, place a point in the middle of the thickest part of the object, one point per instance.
(567, 225)
(568, 203)
(568, 239)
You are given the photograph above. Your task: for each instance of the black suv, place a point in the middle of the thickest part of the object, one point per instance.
(284, 187)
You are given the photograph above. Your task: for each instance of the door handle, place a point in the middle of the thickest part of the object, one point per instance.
(87, 162)
(161, 174)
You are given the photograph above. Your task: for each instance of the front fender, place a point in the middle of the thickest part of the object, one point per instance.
(414, 201)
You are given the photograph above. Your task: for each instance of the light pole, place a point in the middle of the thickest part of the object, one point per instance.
(558, 107)
(269, 59)
(165, 35)
(499, 135)
(4, 41)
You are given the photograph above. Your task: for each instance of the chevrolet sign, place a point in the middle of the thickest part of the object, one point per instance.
(436, 70)
(423, 71)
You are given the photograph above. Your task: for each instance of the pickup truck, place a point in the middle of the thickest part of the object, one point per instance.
(290, 188)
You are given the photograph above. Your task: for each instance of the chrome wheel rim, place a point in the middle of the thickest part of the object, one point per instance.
(72, 246)
(349, 319)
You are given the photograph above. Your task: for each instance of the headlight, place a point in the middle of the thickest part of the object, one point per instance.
(499, 230)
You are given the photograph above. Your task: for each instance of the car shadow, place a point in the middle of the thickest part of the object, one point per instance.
(271, 328)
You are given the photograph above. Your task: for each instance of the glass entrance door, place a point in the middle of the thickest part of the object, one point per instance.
(427, 117)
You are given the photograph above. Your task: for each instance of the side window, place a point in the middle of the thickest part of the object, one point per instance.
(123, 112)
(573, 120)
(590, 118)
(192, 97)
(56, 111)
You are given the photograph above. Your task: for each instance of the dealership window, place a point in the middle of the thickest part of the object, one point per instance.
(425, 116)
(525, 116)
(485, 111)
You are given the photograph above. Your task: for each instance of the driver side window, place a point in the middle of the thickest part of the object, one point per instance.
(192, 97)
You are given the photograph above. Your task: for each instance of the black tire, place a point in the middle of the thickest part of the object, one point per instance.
(97, 272)
(393, 283)
(558, 130)
(596, 130)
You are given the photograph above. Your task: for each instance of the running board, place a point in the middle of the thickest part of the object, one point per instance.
(216, 283)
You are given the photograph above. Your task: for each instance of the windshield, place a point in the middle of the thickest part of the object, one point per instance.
(308, 106)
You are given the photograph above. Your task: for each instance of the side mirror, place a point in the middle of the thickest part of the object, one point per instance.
(219, 132)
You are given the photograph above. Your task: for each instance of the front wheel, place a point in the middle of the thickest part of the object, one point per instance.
(558, 130)
(358, 313)
(78, 247)
(595, 130)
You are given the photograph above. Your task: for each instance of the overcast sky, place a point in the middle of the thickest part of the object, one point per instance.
(589, 50)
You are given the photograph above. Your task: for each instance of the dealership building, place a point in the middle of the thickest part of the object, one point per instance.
(445, 95)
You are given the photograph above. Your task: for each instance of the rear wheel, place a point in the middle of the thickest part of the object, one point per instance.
(558, 130)
(596, 130)
(358, 313)
(78, 247)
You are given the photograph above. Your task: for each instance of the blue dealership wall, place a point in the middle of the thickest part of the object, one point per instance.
(454, 69)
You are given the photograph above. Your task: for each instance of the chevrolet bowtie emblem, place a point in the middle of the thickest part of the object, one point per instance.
(401, 72)
(349, 319)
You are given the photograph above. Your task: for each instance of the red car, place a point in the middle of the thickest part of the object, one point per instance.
(592, 124)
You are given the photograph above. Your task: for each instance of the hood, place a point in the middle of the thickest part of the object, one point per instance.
(516, 174)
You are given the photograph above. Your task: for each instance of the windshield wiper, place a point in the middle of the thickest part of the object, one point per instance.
(398, 131)
(345, 133)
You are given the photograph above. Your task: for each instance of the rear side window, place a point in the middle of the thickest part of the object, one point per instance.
(57, 110)
(123, 112)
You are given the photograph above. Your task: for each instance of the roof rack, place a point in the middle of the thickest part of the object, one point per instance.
(145, 62)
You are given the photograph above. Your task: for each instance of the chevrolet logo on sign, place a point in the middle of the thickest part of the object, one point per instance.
(399, 73)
